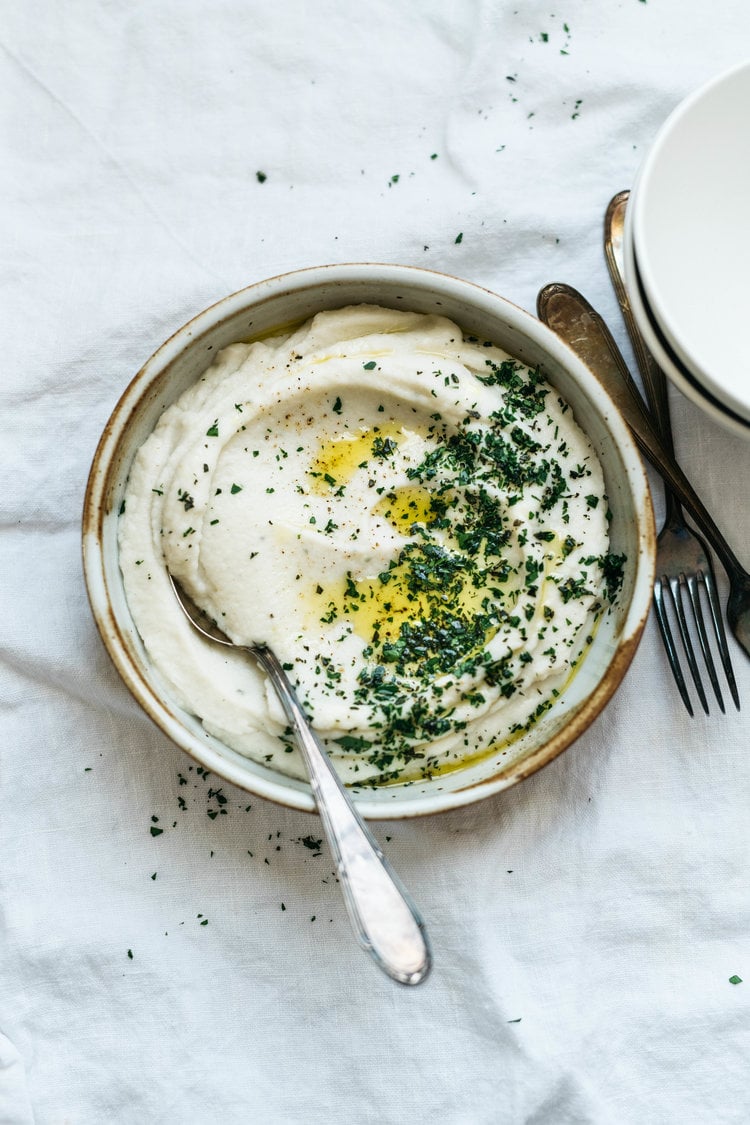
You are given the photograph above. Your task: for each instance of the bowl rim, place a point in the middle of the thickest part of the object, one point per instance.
(95, 571)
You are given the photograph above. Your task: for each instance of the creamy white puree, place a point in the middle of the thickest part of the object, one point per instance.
(413, 521)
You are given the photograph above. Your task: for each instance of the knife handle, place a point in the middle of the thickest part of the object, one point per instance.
(570, 316)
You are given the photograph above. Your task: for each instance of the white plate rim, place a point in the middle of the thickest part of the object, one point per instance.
(710, 385)
(649, 325)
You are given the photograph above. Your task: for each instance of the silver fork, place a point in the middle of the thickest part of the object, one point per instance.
(683, 563)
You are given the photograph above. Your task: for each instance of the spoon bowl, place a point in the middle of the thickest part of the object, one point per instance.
(385, 921)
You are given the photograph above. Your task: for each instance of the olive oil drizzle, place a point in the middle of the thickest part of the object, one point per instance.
(460, 599)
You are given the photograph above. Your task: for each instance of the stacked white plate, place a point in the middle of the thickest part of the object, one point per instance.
(687, 248)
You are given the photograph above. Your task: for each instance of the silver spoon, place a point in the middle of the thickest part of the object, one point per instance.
(573, 319)
(384, 919)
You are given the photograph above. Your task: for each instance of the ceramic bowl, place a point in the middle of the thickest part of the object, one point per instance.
(690, 240)
(294, 298)
(660, 347)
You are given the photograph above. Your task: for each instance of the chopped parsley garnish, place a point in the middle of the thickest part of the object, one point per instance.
(383, 447)
(474, 506)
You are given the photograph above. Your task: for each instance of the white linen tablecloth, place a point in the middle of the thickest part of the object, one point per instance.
(585, 924)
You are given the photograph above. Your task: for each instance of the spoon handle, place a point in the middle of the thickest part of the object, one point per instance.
(383, 916)
(573, 319)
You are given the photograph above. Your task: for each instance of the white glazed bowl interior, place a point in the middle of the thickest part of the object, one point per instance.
(691, 235)
(659, 345)
(294, 298)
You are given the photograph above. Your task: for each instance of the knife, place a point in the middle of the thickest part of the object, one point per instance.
(570, 316)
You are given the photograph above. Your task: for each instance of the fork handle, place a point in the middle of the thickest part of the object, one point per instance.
(382, 914)
(573, 319)
(654, 379)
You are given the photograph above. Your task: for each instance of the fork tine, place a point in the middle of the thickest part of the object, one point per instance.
(676, 586)
(709, 585)
(691, 581)
(669, 645)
